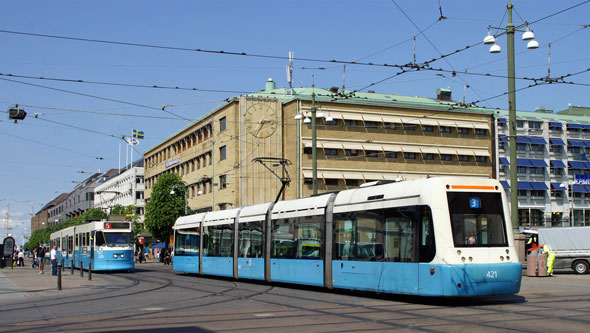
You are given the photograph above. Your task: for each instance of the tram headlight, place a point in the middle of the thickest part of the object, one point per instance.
(122, 255)
(115, 256)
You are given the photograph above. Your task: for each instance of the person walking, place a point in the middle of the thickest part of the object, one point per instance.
(21, 258)
(53, 257)
(40, 254)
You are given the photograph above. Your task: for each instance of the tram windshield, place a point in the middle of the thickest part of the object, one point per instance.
(114, 239)
(477, 219)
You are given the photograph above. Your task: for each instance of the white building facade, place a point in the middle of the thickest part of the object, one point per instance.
(126, 188)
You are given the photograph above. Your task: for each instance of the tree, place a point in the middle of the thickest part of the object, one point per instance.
(164, 208)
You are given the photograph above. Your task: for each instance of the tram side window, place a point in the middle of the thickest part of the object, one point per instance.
(77, 240)
(70, 244)
(297, 238)
(186, 243)
(359, 236)
(400, 234)
(250, 240)
(219, 240)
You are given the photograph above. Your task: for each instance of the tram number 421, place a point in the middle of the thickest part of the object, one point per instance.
(492, 275)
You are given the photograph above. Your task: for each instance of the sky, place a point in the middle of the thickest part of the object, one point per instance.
(101, 59)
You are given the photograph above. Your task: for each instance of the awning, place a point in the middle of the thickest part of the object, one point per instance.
(353, 175)
(555, 124)
(372, 146)
(539, 186)
(331, 175)
(391, 120)
(504, 161)
(429, 150)
(505, 184)
(368, 117)
(524, 186)
(586, 126)
(331, 145)
(537, 140)
(446, 123)
(576, 143)
(352, 116)
(447, 151)
(502, 120)
(465, 152)
(556, 141)
(481, 153)
(581, 188)
(522, 139)
(558, 186)
(574, 126)
(538, 163)
(577, 165)
(411, 121)
(392, 148)
(523, 162)
(411, 149)
(352, 145)
(557, 164)
(428, 122)
(503, 138)
(481, 126)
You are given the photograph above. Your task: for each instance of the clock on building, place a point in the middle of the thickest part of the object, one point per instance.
(261, 120)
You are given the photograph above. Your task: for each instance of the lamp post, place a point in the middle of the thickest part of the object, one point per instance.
(314, 156)
(185, 196)
(495, 48)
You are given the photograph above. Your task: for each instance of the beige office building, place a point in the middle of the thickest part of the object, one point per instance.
(360, 137)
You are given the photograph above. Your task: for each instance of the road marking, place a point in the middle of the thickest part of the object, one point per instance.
(154, 309)
(263, 315)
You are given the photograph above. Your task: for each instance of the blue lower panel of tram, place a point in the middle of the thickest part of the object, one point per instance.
(376, 276)
(310, 272)
(188, 264)
(251, 268)
(105, 260)
(222, 266)
(480, 279)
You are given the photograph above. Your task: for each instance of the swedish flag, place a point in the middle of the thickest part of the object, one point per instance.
(137, 134)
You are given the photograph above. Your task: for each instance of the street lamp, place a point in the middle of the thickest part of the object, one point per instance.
(172, 192)
(495, 48)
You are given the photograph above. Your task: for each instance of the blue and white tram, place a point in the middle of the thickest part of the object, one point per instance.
(107, 246)
(443, 236)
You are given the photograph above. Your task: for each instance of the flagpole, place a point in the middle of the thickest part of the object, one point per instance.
(119, 157)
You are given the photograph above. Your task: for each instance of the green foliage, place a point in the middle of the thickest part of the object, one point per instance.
(164, 208)
(42, 235)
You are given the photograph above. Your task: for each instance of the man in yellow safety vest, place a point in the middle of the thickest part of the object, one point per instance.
(550, 258)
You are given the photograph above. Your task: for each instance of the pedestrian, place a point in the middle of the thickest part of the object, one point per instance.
(40, 254)
(53, 256)
(21, 258)
(550, 257)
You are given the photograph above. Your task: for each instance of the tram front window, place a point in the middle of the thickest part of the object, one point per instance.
(114, 239)
(477, 219)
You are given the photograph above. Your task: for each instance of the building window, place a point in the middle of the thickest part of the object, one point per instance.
(520, 124)
(410, 156)
(521, 170)
(556, 171)
(502, 145)
(573, 149)
(222, 181)
(371, 153)
(409, 127)
(222, 124)
(330, 181)
(349, 123)
(391, 154)
(445, 157)
(390, 126)
(428, 157)
(480, 131)
(534, 125)
(536, 170)
(351, 152)
(352, 182)
(463, 158)
(538, 148)
(371, 124)
(331, 152)
(538, 193)
(481, 159)
(222, 153)
(521, 147)
(556, 194)
(308, 181)
(333, 122)
(522, 193)
(461, 130)
(427, 128)
(445, 129)
(139, 195)
(556, 149)
(307, 150)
